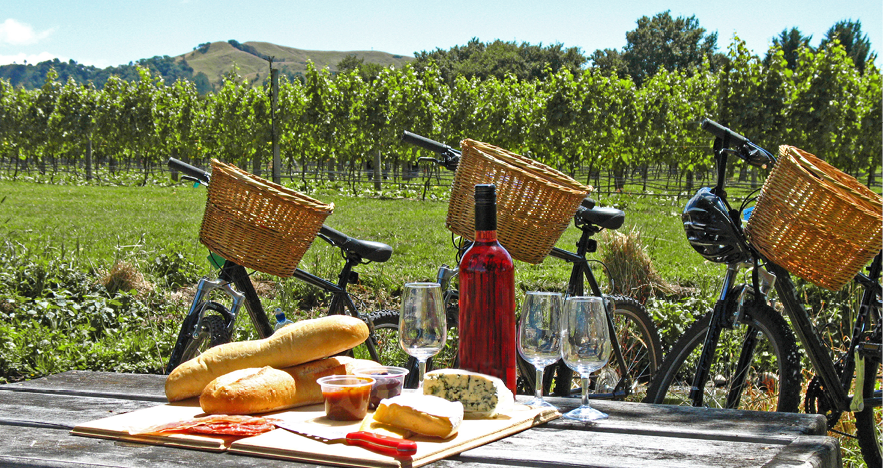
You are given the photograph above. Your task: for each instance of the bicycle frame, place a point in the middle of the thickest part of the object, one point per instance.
(820, 356)
(234, 281)
(575, 287)
(822, 363)
(341, 301)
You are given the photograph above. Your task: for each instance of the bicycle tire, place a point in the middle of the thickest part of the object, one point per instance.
(866, 429)
(641, 348)
(213, 333)
(674, 378)
(386, 338)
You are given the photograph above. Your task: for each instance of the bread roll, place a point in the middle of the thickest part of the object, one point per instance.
(249, 391)
(300, 342)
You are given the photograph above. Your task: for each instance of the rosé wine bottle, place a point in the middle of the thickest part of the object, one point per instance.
(487, 297)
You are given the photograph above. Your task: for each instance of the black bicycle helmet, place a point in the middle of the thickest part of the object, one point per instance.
(711, 231)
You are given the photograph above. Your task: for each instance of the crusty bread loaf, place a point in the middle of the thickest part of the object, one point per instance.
(300, 342)
(249, 391)
(424, 414)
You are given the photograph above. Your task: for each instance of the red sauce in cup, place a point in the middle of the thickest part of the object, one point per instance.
(347, 400)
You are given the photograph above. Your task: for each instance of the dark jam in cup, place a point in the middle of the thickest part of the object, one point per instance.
(346, 397)
(388, 382)
(384, 388)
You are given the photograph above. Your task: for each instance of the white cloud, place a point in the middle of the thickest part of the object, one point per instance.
(32, 59)
(14, 33)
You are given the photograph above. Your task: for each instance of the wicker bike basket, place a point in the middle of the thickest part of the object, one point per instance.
(535, 202)
(816, 221)
(259, 224)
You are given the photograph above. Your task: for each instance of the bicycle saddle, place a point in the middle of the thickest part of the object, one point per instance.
(369, 250)
(608, 218)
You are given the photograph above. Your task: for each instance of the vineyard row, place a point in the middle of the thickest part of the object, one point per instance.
(586, 122)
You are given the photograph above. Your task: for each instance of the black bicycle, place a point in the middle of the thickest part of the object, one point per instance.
(637, 347)
(743, 354)
(209, 322)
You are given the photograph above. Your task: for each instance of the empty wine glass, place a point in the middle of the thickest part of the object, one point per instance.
(585, 346)
(422, 327)
(539, 336)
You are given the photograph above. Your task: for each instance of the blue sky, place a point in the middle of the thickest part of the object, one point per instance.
(105, 32)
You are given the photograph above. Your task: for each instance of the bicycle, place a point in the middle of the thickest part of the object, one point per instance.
(637, 346)
(209, 323)
(743, 354)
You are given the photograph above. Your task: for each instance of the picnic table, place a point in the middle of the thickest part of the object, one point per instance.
(36, 418)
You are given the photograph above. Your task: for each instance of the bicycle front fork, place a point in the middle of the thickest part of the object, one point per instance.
(203, 289)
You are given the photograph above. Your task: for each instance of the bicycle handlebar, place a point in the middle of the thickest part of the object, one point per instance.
(744, 148)
(188, 170)
(722, 132)
(450, 157)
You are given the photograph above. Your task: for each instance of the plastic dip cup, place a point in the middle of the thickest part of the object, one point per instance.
(389, 381)
(346, 396)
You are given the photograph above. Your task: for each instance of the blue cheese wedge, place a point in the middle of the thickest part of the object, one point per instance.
(483, 396)
(423, 414)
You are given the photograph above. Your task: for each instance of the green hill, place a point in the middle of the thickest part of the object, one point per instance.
(212, 59)
(216, 59)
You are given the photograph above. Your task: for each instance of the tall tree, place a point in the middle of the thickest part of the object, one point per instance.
(676, 44)
(610, 62)
(857, 46)
(500, 59)
(789, 42)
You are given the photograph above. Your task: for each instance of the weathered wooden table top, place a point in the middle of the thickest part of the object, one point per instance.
(36, 418)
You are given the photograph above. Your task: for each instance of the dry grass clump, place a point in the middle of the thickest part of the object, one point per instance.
(124, 276)
(632, 269)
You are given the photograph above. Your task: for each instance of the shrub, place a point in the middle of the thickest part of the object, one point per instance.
(630, 266)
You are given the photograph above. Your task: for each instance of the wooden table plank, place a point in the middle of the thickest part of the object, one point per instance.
(62, 410)
(39, 447)
(35, 417)
(587, 448)
(632, 417)
(149, 387)
(704, 423)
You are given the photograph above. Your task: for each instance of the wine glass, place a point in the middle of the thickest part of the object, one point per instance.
(422, 327)
(539, 337)
(585, 346)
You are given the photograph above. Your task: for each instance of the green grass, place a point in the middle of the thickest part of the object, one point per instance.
(99, 225)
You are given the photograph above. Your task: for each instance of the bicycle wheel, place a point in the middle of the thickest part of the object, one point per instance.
(773, 379)
(212, 333)
(867, 421)
(641, 350)
(386, 339)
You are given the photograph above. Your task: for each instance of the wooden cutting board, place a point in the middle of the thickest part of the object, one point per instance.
(118, 427)
(282, 444)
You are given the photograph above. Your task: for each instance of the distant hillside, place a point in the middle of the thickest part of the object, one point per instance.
(216, 59)
(206, 65)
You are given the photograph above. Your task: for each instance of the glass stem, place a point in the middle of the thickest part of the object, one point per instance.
(585, 400)
(538, 383)
(421, 366)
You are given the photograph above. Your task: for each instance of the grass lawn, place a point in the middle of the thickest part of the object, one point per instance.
(99, 225)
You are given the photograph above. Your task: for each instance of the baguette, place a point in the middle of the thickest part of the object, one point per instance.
(300, 342)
